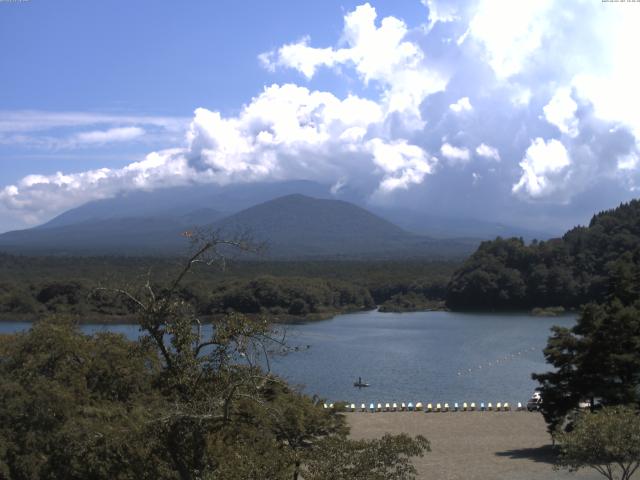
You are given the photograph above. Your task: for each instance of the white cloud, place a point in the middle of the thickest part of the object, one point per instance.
(488, 151)
(612, 87)
(380, 54)
(286, 132)
(462, 105)
(38, 197)
(510, 31)
(402, 163)
(441, 11)
(39, 120)
(121, 134)
(454, 154)
(510, 57)
(561, 112)
(543, 168)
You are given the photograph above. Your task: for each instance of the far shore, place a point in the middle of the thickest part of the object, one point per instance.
(280, 319)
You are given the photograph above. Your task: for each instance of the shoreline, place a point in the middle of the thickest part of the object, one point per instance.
(280, 319)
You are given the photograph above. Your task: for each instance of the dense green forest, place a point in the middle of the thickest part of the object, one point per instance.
(286, 290)
(587, 264)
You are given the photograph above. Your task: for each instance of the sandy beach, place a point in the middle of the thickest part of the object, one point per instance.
(473, 445)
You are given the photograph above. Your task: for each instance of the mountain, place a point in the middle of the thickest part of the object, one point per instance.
(301, 226)
(293, 226)
(180, 201)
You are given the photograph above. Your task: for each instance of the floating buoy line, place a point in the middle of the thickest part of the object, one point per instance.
(495, 363)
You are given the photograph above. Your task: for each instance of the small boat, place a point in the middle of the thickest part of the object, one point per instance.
(360, 383)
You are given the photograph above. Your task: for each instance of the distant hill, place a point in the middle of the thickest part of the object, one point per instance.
(587, 264)
(300, 226)
(293, 226)
(182, 201)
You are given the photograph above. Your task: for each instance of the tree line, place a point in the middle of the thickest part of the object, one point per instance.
(35, 286)
(587, 264)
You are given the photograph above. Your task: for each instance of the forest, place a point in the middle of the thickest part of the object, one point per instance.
(591, 263)
(31, 286)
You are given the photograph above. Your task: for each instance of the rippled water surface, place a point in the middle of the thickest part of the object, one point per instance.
(424, 356)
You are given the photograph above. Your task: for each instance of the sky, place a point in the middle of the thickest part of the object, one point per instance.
(523, 112)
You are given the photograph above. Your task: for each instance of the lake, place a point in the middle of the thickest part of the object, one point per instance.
(423, 356)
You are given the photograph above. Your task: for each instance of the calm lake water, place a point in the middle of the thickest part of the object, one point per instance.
(425, 356)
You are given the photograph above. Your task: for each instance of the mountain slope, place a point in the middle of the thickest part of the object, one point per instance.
(179, 201)
(293, 226)
(300, 226)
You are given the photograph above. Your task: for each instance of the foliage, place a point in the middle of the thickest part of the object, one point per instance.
(292, 295)
(387, 458)
(596, 360)
(34, 286)
(586, 264)
(173, 405)
(607, 441)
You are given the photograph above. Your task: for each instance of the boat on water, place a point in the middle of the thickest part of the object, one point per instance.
(360, 383)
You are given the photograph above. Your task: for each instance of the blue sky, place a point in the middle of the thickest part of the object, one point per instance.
(524, 113)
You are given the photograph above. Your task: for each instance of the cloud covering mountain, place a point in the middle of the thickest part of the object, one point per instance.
(529, 110)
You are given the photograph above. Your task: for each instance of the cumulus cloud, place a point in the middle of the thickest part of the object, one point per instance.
(441, 11)
(487, 151)
(454, 154)
(555, 112)
(380, 54)
(510, 31)
(286, 132)
(542, 168)
(561, 112)
(462, 105)
(37, 197)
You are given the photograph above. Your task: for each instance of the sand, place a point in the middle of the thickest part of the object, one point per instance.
(473, 445)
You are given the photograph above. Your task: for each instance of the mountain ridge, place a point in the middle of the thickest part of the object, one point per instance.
(293, 225)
